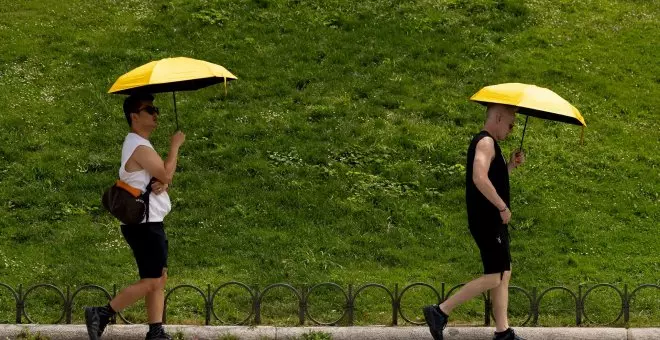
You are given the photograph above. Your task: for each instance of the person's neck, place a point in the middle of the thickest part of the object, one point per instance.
(488, 127)
(142, 133)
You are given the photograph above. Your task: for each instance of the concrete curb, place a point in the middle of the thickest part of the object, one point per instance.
(135, 332)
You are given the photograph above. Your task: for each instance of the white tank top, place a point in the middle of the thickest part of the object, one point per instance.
(159, 205)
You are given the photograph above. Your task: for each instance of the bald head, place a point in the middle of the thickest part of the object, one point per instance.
(500, 119)
(500, 109)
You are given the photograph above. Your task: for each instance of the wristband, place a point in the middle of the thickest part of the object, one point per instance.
(505, 208)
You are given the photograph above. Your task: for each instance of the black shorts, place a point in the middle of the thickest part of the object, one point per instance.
(149, 245)
(493, 242)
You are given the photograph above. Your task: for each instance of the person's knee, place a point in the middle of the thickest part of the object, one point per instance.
(163, 279)
(155, 284)
(151, 284)
(493, 280)
(502, 280)
(506, 276)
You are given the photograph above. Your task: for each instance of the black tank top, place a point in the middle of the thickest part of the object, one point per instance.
(480, 211)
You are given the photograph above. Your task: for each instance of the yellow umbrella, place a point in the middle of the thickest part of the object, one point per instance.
(171, 75)
(532, 101)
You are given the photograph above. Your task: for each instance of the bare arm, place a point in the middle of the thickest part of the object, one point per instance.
(148, 159)
(484, 155)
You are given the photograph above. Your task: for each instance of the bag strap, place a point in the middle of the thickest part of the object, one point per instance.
(145, 197)
(135, 192)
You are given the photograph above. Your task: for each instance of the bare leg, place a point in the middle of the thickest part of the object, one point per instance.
(155, 301)
(132, 293)
(470, 290)
(500, 295)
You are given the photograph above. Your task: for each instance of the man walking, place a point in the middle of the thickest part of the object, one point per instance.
(139, 164)
(488, 202)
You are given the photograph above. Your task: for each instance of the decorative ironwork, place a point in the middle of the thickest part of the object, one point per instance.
(350, 296)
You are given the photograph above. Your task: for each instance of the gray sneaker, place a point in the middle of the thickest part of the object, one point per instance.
(435, 320)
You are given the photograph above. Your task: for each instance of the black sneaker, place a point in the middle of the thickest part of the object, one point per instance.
(158, 335)
(436, 321)
(93, 322)
(509, 334)
(102, 324)
(96, 320)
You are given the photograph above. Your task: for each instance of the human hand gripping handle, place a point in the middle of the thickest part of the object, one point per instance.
(516, 159)
(170, 163)
(177, 139)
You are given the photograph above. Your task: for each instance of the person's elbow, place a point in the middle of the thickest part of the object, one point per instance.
(479, 179)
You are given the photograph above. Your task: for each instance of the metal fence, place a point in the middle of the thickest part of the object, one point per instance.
(302, 294)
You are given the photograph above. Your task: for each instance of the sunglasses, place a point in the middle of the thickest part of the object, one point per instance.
(152, 110)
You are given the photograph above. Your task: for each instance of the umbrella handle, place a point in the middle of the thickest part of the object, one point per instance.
(523, 136)
(176, 115)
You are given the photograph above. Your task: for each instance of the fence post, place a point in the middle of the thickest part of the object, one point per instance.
(302, 304)
(535, 307)
(19, 304)
(442, 294)
(257, 306)
(626, 304)
(208, 304)
(350, 305)
(579, 307)
(395, 305)
(68, 306)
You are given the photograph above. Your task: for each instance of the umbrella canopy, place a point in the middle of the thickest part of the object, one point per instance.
(171, 75)
(532, 101)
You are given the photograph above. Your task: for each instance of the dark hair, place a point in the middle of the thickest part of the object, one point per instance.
(132, 104)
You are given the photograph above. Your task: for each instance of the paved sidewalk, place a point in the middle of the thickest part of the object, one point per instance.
(135, 332)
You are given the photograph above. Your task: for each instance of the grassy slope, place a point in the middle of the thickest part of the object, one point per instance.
(337, 155)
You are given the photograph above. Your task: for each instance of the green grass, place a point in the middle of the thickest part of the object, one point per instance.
(338, 154)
